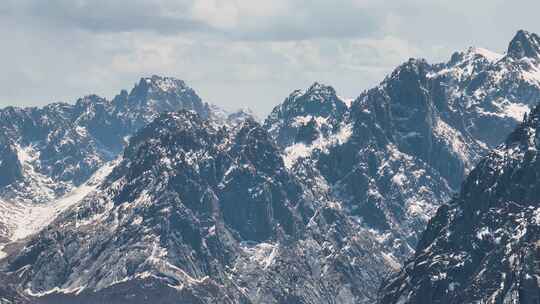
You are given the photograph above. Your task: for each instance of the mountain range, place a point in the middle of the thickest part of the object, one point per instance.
(157, 196)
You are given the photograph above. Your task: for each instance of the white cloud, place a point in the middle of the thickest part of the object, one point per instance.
(233, 14)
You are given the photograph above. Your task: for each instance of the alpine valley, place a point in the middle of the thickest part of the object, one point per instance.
(158, 197)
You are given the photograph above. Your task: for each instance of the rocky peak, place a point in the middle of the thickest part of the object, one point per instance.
(89, 100)
(317, 108)
(154, 86)
(473, 55)
(157, 94)
(89, 106)
(407, 97)
(524, 44)
(160, 83)
(184, 128)
(321, 89)
(415, 69)
(68, 142)
(317, 97)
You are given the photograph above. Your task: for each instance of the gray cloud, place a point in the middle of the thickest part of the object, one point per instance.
(240, 19)
(107, 16)
(235, 52)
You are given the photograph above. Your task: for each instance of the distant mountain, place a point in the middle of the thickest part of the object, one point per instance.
(484, 245)
(156, 95)
(69, 142)
(306, 116)
(46, 153)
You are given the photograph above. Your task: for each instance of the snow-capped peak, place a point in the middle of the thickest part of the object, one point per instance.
(165, 84)
(306, 115)
(472, 56)
(485, 53)
(316, 90)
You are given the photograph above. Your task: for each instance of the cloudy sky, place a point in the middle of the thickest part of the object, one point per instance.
(236, 53)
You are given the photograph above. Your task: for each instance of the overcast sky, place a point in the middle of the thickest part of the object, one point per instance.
(236, 53)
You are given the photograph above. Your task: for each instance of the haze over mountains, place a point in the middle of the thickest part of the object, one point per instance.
(157, 196)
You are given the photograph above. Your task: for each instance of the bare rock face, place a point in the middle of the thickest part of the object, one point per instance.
(306, 115)
(51, 157)
(209, 214)
(9, 163)
(525, 45)
(401, 149)
(483, 246)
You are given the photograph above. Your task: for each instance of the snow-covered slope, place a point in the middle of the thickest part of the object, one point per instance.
(23, 219)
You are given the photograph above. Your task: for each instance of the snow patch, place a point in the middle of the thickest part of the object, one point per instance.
(483, 233)
(532, 75)
(489, 55)
(26, 219)
(303, 120)
(454, 139)
(391, 261)
(39, 185)
(516, 110)
(262, 253)
(508, 109)
(300, 150)
(55, 290)
(399, 179)
(536, 215)
(420, 208)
